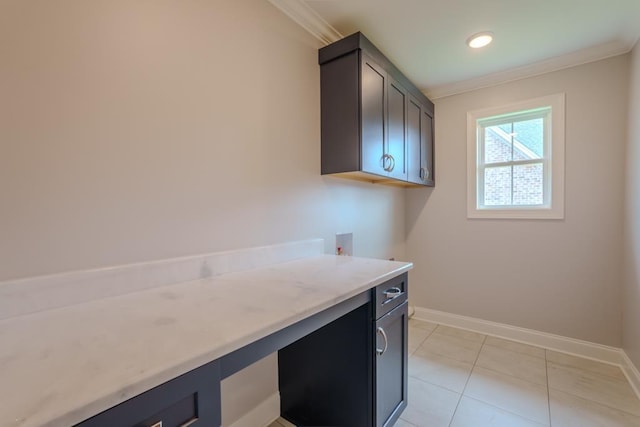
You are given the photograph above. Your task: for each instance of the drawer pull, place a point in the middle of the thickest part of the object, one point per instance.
(381, 331)
(391, 294)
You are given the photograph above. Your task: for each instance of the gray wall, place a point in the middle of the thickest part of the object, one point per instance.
(141, 130)
(557, 276)
(149, 129)
(631, 292)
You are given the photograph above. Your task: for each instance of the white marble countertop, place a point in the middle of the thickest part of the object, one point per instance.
(61, 366)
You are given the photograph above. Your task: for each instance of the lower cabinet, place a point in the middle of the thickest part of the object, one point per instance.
(391, 365)
(353, 371)
(191, 399)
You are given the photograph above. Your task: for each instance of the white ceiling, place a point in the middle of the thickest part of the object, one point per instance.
(426, 38)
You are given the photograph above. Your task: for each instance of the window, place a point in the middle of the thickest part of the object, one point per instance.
(515, 160)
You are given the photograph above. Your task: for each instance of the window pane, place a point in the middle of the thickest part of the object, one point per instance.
(528, 139)
(497, 186)
(497, 144)
(527, 184)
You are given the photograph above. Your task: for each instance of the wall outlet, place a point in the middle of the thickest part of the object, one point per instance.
(344, 244)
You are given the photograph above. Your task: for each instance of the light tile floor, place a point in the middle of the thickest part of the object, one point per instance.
(459, 378)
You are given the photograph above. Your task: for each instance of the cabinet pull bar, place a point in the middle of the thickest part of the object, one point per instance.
(381, 331)
(392, 292)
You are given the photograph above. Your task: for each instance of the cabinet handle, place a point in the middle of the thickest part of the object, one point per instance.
(392, 293)
(424, 174)
(381, 331)
(392, 162)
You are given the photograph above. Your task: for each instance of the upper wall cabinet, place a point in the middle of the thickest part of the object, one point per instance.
(376, 125)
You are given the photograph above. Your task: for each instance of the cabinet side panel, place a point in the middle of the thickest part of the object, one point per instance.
(340, 117)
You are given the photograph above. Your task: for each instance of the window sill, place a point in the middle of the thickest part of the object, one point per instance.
(515, 214)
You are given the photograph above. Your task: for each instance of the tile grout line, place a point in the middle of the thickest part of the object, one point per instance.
(423, 341)
(517, 351)
(501, 373)
(467, 382)
(413, 352)
(427, 337)
(587, 399)
(518, 354)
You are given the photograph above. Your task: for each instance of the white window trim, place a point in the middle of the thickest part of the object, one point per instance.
(556, 158)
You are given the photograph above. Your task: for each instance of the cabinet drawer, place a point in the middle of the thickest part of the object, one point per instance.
(181, 413)
(390, 295)
(192, 399)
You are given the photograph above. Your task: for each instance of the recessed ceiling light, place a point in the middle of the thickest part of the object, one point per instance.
(480, 39)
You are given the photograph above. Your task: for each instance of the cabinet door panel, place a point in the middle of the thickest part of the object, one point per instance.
(396, 139)
(391, 365)
(426, 156)
(414, 142)
(373, 116)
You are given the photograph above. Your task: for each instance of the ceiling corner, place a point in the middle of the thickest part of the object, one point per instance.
(308, 19)
(557, 63)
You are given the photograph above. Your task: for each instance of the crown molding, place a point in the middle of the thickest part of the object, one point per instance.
(308, 19)
(561, 62)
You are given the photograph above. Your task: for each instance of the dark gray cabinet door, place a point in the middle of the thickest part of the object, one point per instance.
(426, 154)
(420, 143)
(374, 104)
(415, 145)
(394, 158)
(391, 365)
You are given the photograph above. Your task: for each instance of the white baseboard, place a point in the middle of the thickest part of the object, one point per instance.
(262, 415)
(631, 372)
(589, 350)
